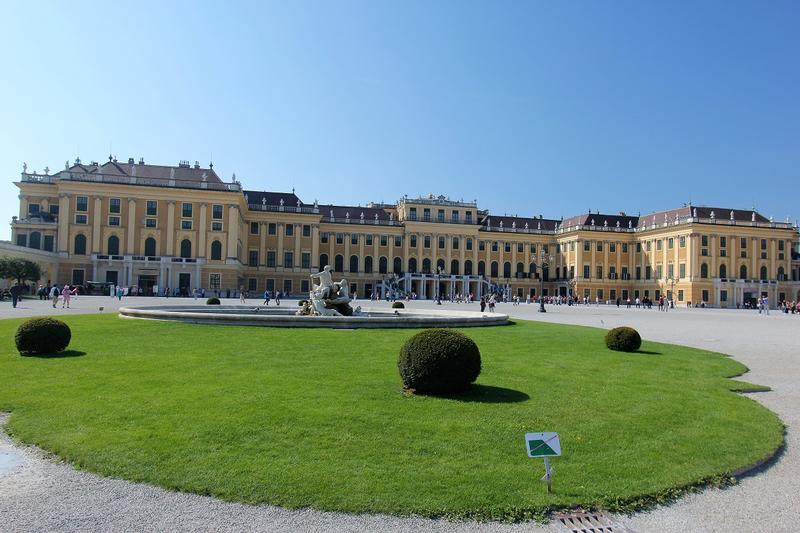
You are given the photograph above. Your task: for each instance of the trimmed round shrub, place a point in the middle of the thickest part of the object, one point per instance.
(212, 301)
(439, 361)
(398, 305)
(623, 339)
(42, 336)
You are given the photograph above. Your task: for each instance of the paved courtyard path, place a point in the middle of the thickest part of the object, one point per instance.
(41, 494)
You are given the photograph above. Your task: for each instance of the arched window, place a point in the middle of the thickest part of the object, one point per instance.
(368, 264)
(481, 268)
(723, 271)
(150, 246)
(216, 250)
(520, 269)
(467, 267)
(704, 271)
(353, 263)
(494, 269)
(454, 267)
(764, 274)
(533, 270)
(426, 266)
(323, 261)
(781, 274)
(743, 272)
(545, 272)
(440, 265)
(35, 240)
(80, 244)
(113, 245)
(398, 266)
(186, 248)
(507, 269)
(412, 265)
(383, 265)
(338, 263)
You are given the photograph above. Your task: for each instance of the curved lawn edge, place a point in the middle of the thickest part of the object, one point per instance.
(627, 505)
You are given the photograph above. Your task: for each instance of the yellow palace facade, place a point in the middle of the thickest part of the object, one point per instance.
(161, 227)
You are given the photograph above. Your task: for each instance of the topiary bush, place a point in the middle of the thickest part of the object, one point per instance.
(439, 361)
(42, 336)
(623, 339)
(212, 301)
(398, 305)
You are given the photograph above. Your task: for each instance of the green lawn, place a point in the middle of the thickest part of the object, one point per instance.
(317, 418)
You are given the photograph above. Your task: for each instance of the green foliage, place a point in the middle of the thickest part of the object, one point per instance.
(20, 269)
(42, 336)
(398, 305)
(289, 414)
(439, 361)
(623, 339)
(212, 301)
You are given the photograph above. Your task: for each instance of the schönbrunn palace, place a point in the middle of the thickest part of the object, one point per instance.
(137, 224)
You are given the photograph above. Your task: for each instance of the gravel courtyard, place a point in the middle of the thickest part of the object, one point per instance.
(41, 494)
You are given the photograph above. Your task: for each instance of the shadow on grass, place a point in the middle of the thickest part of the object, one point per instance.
(489, 394)
(65, 353)
(648, 352)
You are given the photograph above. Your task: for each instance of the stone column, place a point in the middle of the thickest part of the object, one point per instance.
(281, 230)
(773, 253)
(23, 206)
(130, 241)
(63, 223)
(297, 233)
(233, 232)
(347, 237)
(96, 221)
(170, 250)
(712, 251)
(262, 245)
(314, 247)
(202, 234)
(579, 259)
(405, 252)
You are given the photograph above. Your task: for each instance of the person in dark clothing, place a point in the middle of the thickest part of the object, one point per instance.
(16, 292)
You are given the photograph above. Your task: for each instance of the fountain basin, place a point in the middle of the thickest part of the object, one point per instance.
(285, 317)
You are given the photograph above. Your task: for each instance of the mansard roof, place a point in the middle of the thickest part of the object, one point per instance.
(492, 222)
(600, 219)
(290, 199)
(696, 211)
(151, 172)
(354, 212)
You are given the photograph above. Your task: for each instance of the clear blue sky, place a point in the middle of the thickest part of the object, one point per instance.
(530, 107)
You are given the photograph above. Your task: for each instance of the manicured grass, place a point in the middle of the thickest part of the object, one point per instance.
(317, 417)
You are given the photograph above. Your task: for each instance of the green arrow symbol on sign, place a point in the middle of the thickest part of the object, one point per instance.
(540, 448)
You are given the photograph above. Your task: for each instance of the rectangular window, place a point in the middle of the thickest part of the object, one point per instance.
(648, 272)
(216, 212)
(305, 260)
(519, 247)
(289, 231)
(306, 230)
(482, 246)
(252, 284)
(152, 208)
(214, 281)
(426, 241)
(53, 209)
(682, 270)
(705, 295)
(82, 204)
(48, 243)
(781, 246)
(33, 210)
(682, 241)
(638, 272)
(599, 294)
(22, 239)
(468, 217)
(254, 228)
(412, 215)
(150, 222)
(186, 210)
(454, 217)
(271, 258)
(304, 286)
(455, 243)
(533, 249)
(354, 238)
(649, 246)
(680, 295)
(670, 270)
(413, 241)
(494, 246)
(80, 219)
(469, 243)
(441, 243)
(723, 295)
(658, 245)
(252, 258)
(624, 248)
(323, 238)
(599, 271)
(670, 243)
(114, 205)
(186, 224)
(384, 240)
(659, 271)
(723, 242)
(340, 238)
(743, 244)
(216, 226)
(272, 229)
(586, 271)
(763, 244)
(426, 215)
(612, 247)
(113, 221)
(287, 286)
(271, 285)
(440, 215)
(587, 247)
(638, 247)
(78, 276)
(368, 240)
(288, 259)
(613, 294)
(398, 240)
(599, 246)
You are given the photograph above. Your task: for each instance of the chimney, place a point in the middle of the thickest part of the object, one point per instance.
(141, 160)
(130, 160)
(197, 164)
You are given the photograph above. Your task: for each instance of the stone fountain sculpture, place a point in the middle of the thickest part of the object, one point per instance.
(328, 298)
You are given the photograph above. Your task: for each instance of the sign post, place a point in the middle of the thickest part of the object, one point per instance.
(544, 445)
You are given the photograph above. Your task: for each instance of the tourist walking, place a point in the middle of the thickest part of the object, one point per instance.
(492, 302)
(242, 295)
(16, 292)
(483, 304)
(54, 293)
(119, 293)
(278, 297)
(266, 298)
(66, 294)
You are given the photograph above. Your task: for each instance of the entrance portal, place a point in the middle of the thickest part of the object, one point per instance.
(184, 283)
(146, 283)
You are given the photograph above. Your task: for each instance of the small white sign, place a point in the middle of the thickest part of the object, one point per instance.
(545, 444)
